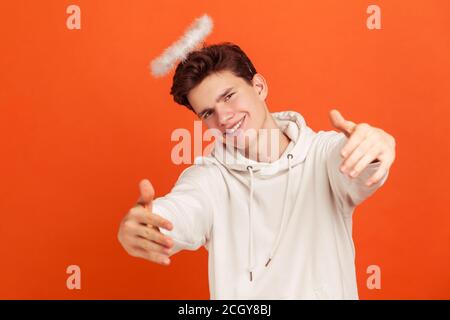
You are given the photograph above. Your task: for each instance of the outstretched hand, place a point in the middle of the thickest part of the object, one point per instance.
(366, 144)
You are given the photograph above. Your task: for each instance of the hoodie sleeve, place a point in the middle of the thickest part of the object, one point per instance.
(189, 209)
(349, 191)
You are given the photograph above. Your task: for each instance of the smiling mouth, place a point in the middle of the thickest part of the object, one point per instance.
(235, 128)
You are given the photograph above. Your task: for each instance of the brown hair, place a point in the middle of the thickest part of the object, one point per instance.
(199, 64)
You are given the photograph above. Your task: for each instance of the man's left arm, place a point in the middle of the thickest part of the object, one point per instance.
(361, 161)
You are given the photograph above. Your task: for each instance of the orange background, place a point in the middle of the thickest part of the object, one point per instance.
(82, 121)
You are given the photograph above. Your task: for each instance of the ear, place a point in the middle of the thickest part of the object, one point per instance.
(260, 85)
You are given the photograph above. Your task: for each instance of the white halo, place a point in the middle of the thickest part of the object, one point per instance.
(195, 34)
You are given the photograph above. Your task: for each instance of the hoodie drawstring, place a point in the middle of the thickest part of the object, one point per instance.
(282, 224)
(250, 231)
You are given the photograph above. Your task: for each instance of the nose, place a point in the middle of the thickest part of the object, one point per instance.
(224, 117)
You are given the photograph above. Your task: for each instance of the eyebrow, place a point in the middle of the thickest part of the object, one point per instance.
(220, 97)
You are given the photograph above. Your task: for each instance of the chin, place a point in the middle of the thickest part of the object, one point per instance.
(243, 140)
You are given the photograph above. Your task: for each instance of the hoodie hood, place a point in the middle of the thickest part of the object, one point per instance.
(293, 125)
(290, 123)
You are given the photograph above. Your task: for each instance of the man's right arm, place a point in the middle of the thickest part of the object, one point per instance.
(180, 220)
(188, 206)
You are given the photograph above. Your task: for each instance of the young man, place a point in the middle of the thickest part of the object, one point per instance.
(277, 225)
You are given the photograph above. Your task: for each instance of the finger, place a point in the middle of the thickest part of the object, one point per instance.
(145, 217)
(147, 193)
(151, 233)
(338, 121)
(140, 215)
(145, 232)
(371, 155)
(379, 174)
(149, 246)
(158, 221)
(359, 134)
(158, 237)
(151, 256)
(352, 159)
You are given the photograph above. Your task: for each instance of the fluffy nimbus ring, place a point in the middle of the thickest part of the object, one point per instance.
(195, 34)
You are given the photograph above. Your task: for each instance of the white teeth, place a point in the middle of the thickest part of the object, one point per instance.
(235, 127)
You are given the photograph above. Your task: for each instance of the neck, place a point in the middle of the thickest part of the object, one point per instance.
(271, 142)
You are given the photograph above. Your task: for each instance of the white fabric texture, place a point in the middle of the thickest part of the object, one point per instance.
(280, 230)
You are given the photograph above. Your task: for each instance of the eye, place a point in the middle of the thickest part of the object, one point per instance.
(206, 114)
(228, 97)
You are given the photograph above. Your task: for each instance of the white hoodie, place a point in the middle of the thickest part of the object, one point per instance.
(280, 230)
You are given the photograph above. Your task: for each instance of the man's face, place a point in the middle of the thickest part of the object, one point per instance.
(229, 104)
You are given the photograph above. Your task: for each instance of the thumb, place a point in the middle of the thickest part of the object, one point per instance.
(147, 193)
(338, 121)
